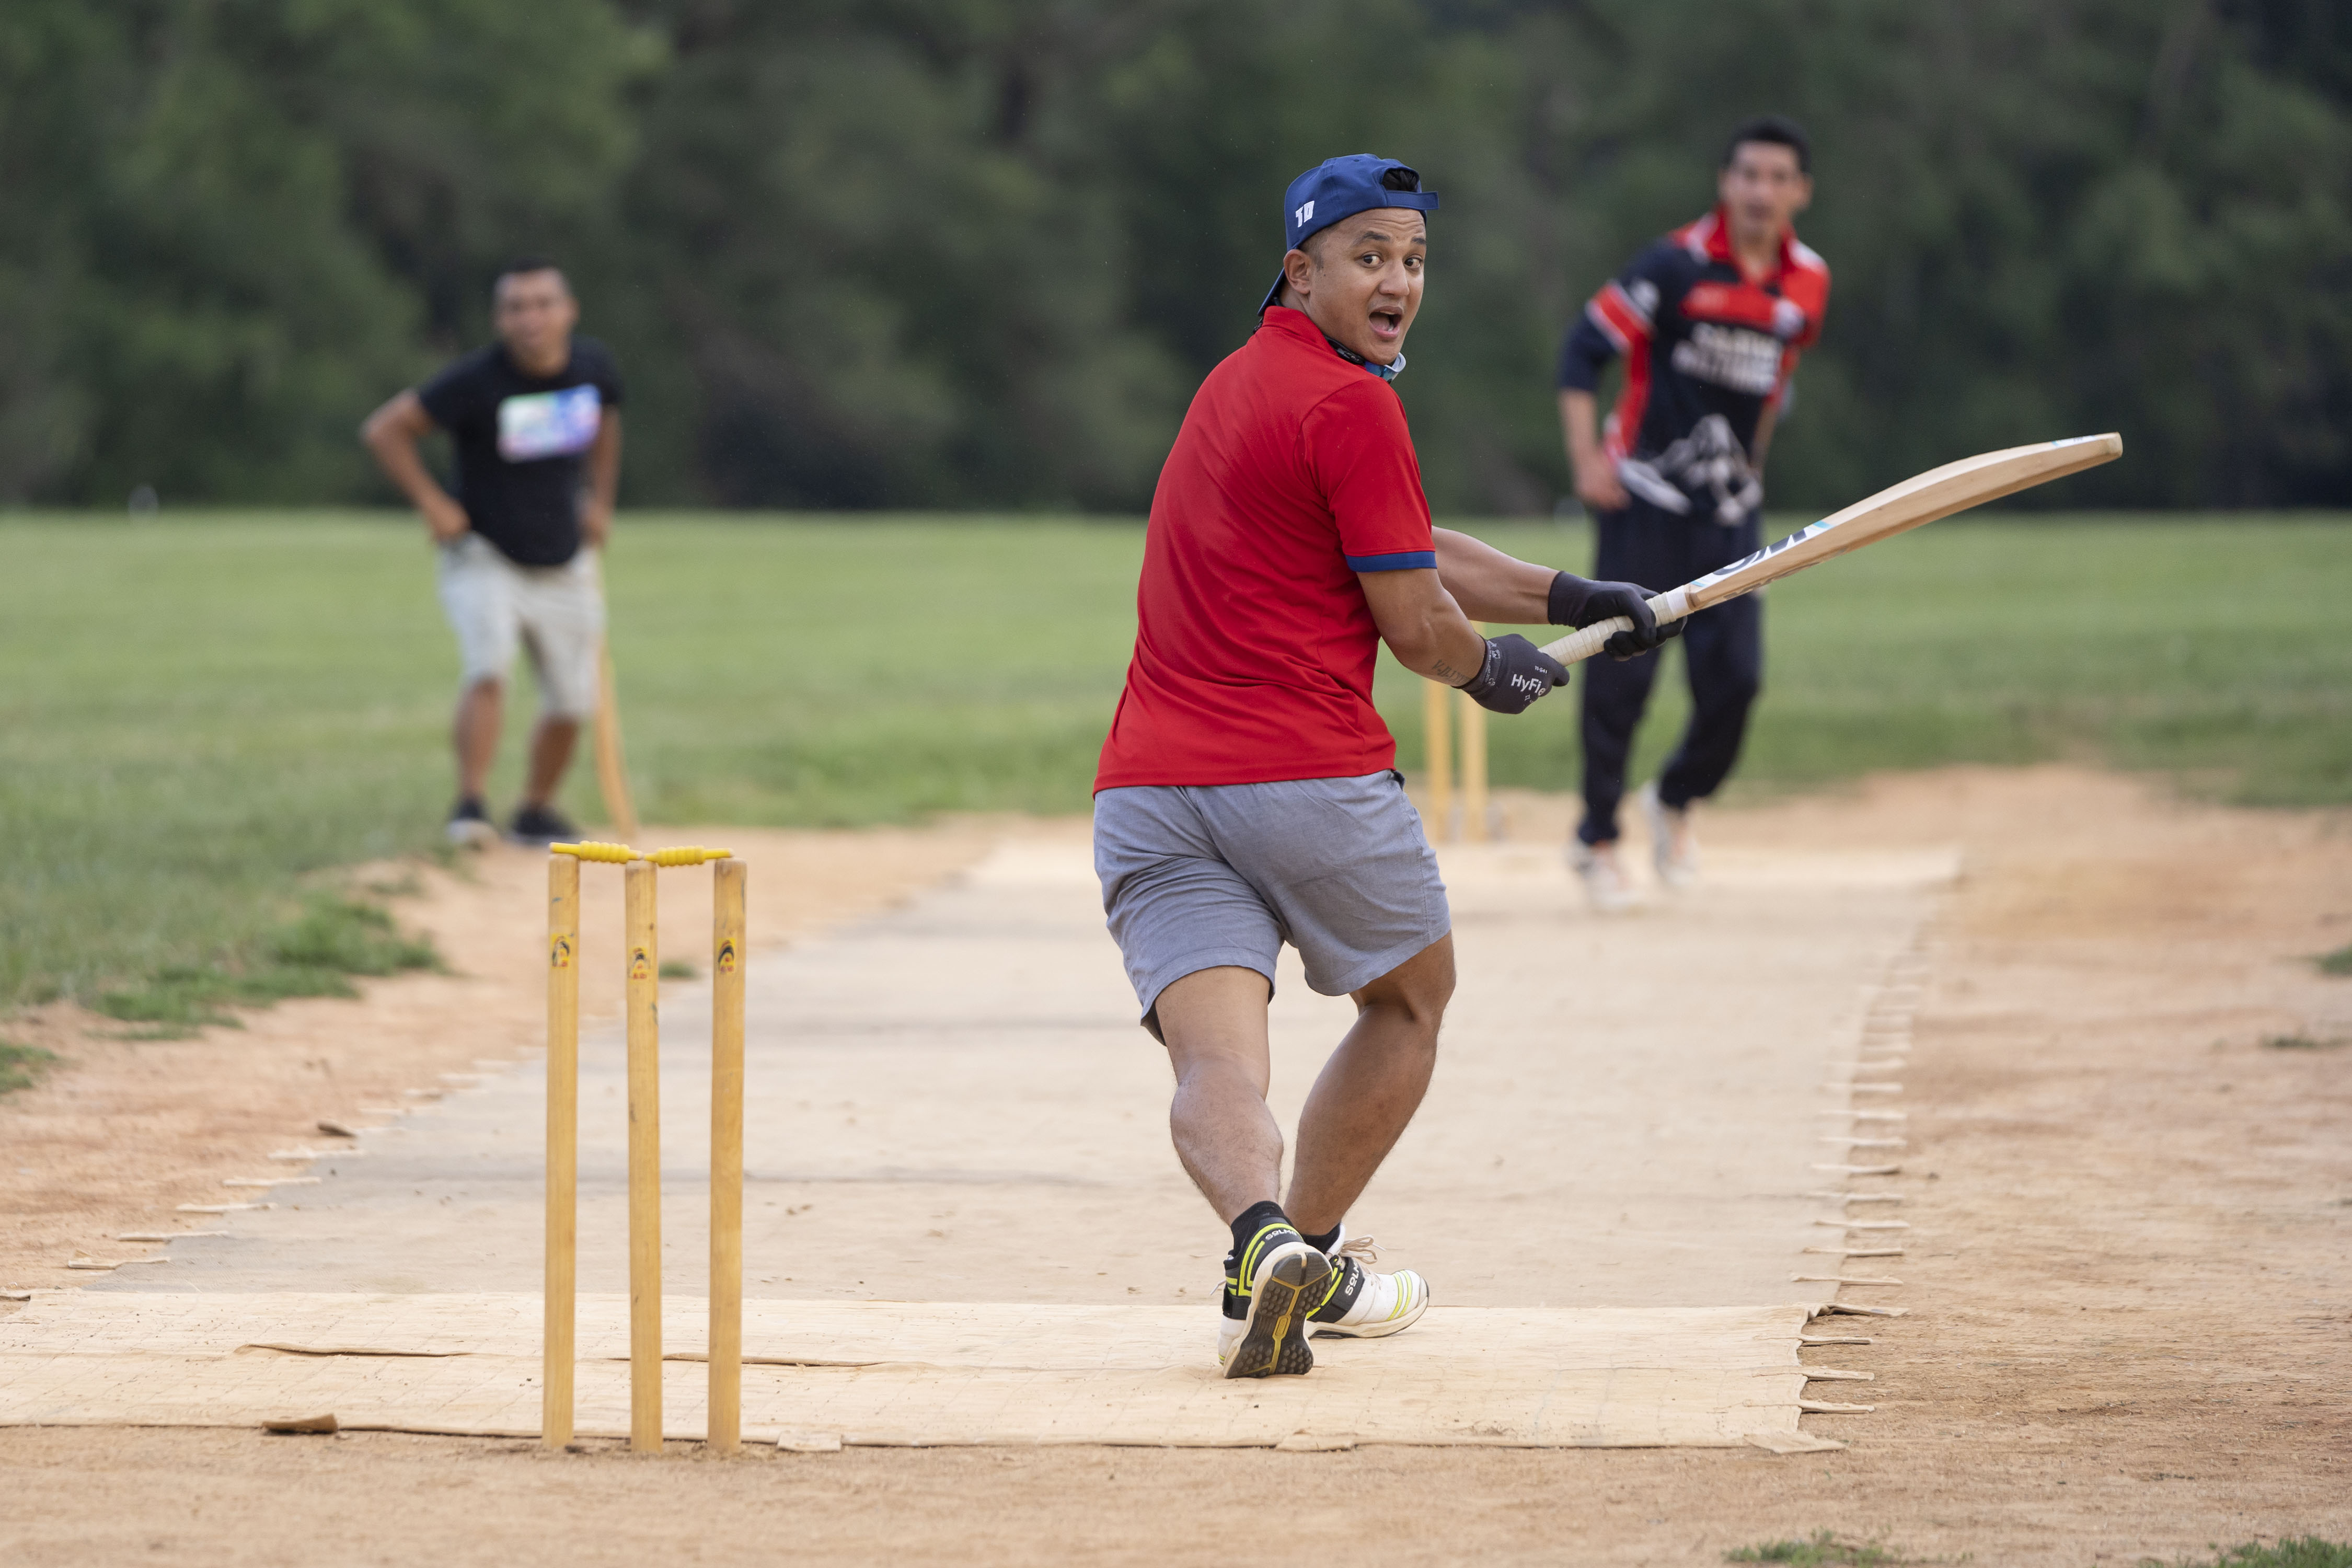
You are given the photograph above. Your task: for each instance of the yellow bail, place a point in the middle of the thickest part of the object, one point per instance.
(621, 853)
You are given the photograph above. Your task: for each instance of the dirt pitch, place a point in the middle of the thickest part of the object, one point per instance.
(2129, 1275)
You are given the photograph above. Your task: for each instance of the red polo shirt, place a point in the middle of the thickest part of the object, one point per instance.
(1253, 646)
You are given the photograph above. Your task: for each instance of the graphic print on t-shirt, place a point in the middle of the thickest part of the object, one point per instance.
(538, 425)
(1743, 360)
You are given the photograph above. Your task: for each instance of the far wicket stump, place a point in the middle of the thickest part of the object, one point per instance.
(724, 1432)
(1471, 817)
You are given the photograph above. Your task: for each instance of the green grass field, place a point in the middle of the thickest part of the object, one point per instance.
(201, 716)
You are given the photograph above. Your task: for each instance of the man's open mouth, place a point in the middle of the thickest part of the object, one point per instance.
(1387, 323)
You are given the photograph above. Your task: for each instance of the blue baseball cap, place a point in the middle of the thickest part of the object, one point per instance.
(1342, 187)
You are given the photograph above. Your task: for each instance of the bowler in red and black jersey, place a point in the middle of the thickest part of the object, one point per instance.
(1710, 321)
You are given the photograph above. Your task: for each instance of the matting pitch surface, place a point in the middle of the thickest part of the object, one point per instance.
(951, 1103)
(902, 1374)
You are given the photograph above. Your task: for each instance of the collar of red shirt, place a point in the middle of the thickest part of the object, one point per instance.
(1300, 325)
(1713, 233)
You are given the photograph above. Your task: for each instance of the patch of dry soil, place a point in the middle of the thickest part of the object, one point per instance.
(2129, 1275)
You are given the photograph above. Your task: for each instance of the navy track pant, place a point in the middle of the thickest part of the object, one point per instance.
(1722, 648)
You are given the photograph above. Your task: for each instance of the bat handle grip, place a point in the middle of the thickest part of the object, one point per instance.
(1582, 644)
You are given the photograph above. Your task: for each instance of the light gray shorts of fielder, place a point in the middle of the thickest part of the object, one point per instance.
(1200, 876)
(555, 612)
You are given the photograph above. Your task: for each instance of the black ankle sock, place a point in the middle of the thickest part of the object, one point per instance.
(1255, 1218)
(1326, 1241)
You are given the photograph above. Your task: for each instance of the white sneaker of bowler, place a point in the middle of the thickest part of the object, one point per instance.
(1387, 1304)
(471, 832)
(1674, 842)
(1596, 867)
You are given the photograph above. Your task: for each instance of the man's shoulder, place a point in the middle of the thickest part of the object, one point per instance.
(593, 356)
(1807, 263)
(1700, 239)
(1284, 375)
(1358, 394)
(473, 363)
(450, 389)
(1669, 261)
(1660, 273)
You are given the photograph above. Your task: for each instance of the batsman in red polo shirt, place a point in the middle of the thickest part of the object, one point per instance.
(1248, 795)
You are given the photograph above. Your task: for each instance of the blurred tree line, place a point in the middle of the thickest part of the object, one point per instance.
(948, 253)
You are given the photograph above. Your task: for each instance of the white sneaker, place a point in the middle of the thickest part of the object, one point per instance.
(469, 825)
(1363, 1304)
(1604, 880)
(1674, 842)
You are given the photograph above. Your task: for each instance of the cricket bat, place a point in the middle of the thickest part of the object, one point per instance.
(1939, 492)
(611, 768)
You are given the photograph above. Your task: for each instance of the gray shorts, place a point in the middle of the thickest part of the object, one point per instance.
(1196, 877)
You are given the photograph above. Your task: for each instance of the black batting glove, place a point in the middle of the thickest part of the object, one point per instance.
(1580, 602)
(1516, 673)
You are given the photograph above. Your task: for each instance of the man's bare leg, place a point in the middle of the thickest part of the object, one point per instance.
(474, 733)
(1213, 1021)
(551, 742)
(1369, 1088)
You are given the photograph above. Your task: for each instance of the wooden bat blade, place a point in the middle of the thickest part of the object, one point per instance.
(1922, 498)
(612, 767)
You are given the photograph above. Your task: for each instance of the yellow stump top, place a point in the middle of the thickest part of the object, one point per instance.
(621, 853)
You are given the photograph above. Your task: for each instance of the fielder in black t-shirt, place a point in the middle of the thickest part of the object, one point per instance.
(521, 441)
(535, 418)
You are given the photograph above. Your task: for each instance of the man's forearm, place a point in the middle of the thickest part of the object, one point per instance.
(1765, 424)
(390, 435)
(1490, 585)
(1445, 648)
(396, 453)
(1423, 625)
(1579, 425)
(604, 462)
(603, 483)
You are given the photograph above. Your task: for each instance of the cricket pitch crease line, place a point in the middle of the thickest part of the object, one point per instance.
(1812, 1374)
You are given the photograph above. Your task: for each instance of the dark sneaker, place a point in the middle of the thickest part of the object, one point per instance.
(469, 825)
(543, 825)
(1362, 1303)
(1268, 1293)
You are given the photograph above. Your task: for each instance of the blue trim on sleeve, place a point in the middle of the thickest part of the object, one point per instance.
(1395, 561)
